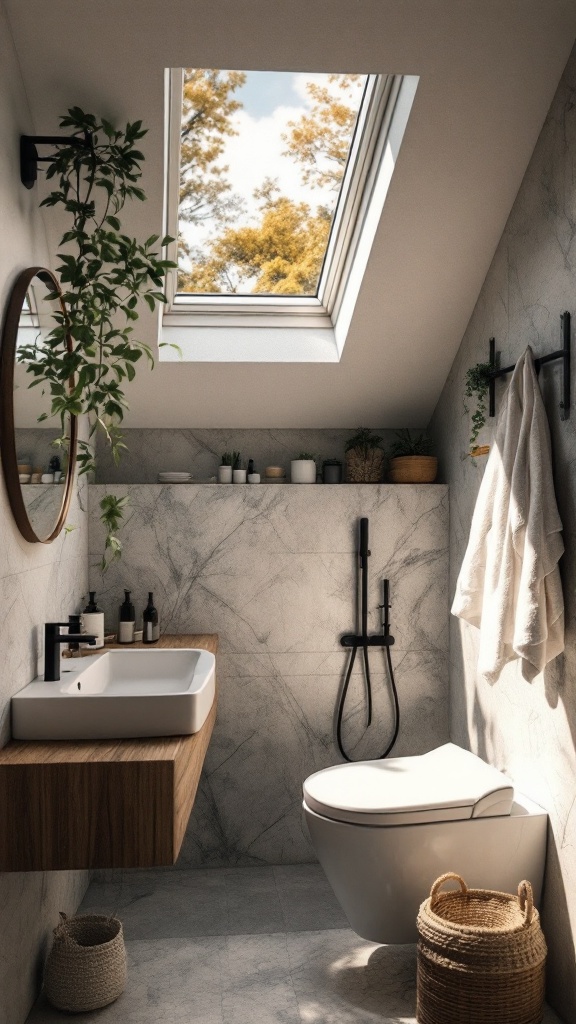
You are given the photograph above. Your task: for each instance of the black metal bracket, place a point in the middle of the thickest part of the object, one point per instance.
(561, 353)
(29, 158)
(376, 640)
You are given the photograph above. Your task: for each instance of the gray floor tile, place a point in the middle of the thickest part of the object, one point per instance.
(161, 905)
(340, 978)
(307, 900)
(253, 901)
(258, 984)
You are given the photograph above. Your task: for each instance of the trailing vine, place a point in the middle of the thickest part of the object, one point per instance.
(477, 381)
(104, 274)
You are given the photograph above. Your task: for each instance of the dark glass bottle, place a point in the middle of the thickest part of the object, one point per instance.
(126, 620)
(151, 626)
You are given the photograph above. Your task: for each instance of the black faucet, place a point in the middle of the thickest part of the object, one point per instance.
(52, 640)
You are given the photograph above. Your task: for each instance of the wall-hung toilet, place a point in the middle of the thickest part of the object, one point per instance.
(383, 831)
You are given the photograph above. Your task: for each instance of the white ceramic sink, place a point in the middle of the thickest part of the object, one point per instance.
(119, 695)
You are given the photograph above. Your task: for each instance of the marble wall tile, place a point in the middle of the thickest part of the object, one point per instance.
(198, 451)
(37, 582)
(272, 570)
(529, 731)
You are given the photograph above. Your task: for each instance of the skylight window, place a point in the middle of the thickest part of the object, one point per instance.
(276, 184)
(262, 163)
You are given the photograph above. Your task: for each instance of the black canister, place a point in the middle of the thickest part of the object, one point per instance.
(331, 471)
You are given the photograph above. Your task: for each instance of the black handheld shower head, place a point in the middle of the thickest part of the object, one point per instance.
(363, 549)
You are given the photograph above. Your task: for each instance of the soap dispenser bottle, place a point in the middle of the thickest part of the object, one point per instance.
(126, 620)
(151, 630)
(93, 620)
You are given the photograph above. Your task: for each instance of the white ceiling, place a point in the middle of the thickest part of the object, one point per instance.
(488, 71)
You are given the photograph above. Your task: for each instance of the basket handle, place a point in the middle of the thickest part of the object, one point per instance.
(526, 900)
(450, 876)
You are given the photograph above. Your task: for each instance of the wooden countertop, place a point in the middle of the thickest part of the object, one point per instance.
(101, 803)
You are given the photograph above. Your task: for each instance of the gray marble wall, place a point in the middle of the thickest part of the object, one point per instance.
(271, 569)
(199, 451)
(37, 582)
(529, 731)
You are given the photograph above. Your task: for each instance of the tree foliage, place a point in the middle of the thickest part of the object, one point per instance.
(319, 141)
(207, 112)
(283, 252)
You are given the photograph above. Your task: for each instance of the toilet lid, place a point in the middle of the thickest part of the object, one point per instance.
(446, 784)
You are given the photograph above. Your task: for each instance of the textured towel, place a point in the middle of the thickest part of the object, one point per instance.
(509, 584)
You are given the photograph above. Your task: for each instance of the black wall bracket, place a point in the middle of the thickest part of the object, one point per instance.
(561, 353)
(29, 158)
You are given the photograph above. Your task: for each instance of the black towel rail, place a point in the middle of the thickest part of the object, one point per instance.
(561, 353)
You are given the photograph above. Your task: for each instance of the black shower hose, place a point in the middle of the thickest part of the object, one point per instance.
(342, 700)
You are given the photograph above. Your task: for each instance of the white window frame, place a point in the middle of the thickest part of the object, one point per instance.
(291, 328)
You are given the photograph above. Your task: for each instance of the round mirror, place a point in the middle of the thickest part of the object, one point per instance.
(38, 465)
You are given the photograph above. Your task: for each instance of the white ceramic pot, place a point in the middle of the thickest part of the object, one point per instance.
(303, 471)
(239, 476)
(253, 478)
(224, 474)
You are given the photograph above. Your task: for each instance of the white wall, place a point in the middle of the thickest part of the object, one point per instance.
(487, 71)
(37, 583)
(526, 730)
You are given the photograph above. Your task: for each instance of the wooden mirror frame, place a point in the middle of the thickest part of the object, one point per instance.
(7, 425)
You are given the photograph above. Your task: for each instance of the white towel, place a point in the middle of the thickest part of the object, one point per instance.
(509, 584)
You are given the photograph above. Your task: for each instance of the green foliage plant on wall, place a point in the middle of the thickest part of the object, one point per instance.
(104, 275)
(476, 384)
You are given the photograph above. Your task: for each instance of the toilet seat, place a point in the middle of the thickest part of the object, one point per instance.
(445, 784)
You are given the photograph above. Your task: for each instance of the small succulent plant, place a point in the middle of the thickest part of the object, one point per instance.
(231, 459)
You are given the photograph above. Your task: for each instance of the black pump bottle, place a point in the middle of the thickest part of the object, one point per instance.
(151, 626)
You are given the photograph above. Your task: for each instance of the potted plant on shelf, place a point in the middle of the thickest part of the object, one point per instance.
(105, 275)
(411, 459)
(477, 382)
(364, 457)
(225, 469)
(303, 469)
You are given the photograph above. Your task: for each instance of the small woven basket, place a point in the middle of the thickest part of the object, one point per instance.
(364, 467)
(86, 967)
(413, 469)
(481, 957)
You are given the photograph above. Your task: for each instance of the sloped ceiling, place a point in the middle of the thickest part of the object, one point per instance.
(488, 71)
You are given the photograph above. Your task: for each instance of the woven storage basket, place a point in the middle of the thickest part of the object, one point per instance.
(364, 467)
(481, 957)
(86, 967)
(413, 469)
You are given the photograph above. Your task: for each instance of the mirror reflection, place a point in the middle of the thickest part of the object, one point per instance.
(40, 453)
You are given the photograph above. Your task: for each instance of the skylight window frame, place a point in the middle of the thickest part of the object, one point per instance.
(320, 311)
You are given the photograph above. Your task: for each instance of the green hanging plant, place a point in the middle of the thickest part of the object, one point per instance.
(477, 381)
(104, 275)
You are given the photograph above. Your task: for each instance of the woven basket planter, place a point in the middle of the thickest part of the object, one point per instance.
(364, 467)
(481, 957)
(413, 469)
(86, 967)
